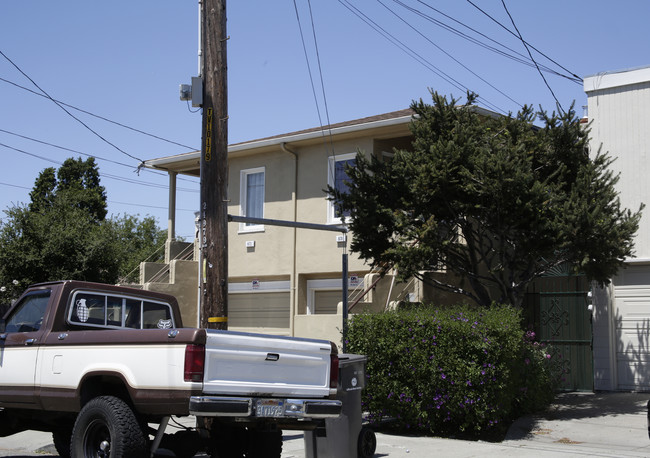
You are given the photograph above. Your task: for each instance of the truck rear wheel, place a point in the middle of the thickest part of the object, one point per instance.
(106, 427)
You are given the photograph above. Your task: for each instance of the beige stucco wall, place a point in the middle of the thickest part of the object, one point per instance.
(296, 176)
(273, 251)
(272, 254)
(183, 285)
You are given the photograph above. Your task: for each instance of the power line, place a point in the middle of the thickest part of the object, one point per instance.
(148, 206)
(424, 62)
(15, 186)
(70, 114)
(447, 54)
(575, 78)
(106, 175)
(311, 78)
(108, 201)
(101, 117)
(531, 56)
(85, 154)
(522, 59)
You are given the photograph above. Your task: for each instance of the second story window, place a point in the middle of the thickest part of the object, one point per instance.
(336, 178)
(251, 197)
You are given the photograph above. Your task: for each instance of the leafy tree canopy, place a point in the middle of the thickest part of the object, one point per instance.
(494, 199)
(63, 233)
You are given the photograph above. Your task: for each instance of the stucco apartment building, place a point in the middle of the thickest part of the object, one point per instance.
(284, 280)
(288, 281)
(619, 118)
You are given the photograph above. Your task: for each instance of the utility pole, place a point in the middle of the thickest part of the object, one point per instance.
(214, 167)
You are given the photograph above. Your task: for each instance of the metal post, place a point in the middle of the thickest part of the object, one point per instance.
(344, 274)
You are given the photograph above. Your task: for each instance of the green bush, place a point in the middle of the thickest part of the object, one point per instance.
(451, 371)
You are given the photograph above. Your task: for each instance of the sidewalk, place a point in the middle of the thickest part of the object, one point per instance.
(578, 425)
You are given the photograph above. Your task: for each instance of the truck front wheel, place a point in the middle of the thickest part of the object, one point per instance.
(106, 427)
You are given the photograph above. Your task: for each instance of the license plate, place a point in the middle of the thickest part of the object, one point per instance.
(269, 408)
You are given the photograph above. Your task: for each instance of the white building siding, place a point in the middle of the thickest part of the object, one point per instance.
(603, 341)
(619, 115)
(620, 124)
(632, 325)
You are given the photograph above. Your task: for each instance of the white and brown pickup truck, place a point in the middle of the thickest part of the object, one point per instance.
(104, 368)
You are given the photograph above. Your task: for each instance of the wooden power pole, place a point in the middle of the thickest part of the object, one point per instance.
(214, 167)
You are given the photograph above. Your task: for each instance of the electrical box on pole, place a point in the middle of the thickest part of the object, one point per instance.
(214, 167)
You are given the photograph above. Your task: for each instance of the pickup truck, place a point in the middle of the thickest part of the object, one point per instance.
(105, 368)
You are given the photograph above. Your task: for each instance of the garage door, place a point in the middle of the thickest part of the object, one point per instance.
(259, 306)
(258, 310)
(632, 328)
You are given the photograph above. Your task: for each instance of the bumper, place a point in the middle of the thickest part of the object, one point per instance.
(226, 406)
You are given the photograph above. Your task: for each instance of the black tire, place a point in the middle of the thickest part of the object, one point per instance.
(184, 444)
(227, 441)
(106, 427)
(367, 443)
(61, 439)
(265, 443)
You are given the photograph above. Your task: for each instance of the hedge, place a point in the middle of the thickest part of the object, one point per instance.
(451, 372)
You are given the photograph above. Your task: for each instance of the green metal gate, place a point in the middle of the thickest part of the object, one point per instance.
(557, 311)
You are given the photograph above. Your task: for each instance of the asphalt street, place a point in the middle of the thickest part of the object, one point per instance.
(576, 425)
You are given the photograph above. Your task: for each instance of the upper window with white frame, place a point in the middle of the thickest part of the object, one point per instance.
(336, 178)
(251, 198)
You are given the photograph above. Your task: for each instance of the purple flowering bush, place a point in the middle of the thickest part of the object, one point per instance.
(450, 371)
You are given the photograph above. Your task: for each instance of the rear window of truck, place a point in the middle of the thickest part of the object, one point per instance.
(116, 311)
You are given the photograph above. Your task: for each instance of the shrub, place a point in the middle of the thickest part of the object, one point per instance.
(450, 371)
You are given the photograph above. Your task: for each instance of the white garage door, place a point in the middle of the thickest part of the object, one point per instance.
(632, 328)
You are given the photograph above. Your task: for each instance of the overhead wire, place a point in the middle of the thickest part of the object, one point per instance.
(447, 53)
(108, 201)
(575, 78)
(559, 105)
(14, 185)
(114, 177)
(101, 117)
(141, 162)
(423, 61)
(325, 136)
(311, 77)
(159, 207)
(515, 56)
(320, 68)
(155, 172)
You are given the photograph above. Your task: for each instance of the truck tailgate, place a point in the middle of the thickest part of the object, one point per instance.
(238, 363)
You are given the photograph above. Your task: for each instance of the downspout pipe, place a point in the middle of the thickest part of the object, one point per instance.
(171, 214)
(294, 249)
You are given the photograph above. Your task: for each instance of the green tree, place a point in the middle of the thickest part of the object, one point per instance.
(496, 200)
(76, 183)
(135, 240)
(64, 234)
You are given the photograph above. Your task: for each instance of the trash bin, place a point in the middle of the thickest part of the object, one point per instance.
(344, 437)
